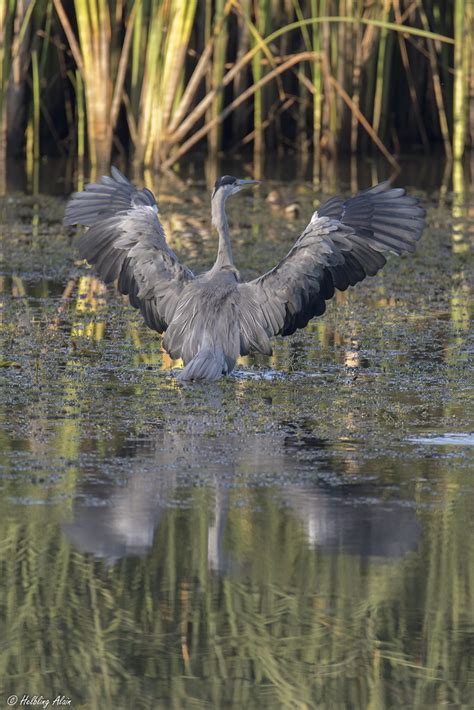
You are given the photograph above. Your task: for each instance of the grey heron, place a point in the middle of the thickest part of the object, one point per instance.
(211, 318)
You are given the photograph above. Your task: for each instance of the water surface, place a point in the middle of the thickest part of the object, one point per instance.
(298, 535)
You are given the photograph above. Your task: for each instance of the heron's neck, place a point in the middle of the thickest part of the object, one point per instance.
(219, 220)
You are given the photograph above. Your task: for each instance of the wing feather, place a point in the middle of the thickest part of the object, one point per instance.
(345, 241)
(126, 241)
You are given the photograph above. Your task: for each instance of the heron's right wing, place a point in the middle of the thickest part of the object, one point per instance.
(126, 241)
(346, 240)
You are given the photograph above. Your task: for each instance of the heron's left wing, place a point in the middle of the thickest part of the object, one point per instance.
(126, 241)
(345, 241)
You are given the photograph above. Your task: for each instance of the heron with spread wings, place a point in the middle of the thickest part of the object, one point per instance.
(210, 319)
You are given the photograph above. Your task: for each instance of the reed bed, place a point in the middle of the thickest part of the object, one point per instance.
(154, 79)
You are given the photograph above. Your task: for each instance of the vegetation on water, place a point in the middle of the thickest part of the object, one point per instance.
(91, 421)
(153, 78)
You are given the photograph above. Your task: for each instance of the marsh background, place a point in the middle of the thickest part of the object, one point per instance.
(153, 79)
(298, 535)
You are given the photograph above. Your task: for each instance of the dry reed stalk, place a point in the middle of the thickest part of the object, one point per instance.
(103, 82)
(438, 92)
(169, 29)
(356, 80)
(316, 8)
(272, 115)
(15, 19)
(36, 105)
(195, 115)
(361, 118)
(410, 79)
(327, 130)
(258, 31)
(471, 86)
(162, 105)
(199, 72)
(196, 137)
(6, 28)
(303, 141)
(380, 86)
(216, 72)
(342, 56)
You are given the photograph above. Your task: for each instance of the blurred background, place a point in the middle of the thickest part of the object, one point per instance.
(149, 82)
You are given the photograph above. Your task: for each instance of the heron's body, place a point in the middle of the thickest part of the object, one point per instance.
(212, 318)
(206, 321)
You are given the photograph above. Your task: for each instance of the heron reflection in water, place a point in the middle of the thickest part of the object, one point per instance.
(212, 318)
(117, 519)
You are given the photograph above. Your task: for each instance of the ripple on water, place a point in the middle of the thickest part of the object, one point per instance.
(448, 439)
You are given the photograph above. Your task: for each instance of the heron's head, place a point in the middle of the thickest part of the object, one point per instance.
(229, 185)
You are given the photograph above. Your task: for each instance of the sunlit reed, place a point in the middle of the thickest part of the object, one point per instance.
(159, 77)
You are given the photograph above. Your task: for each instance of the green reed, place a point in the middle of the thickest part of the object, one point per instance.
(6, 37)
(463, 63)
(161, 76)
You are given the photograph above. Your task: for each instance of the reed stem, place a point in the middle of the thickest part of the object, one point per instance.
(180, 73)
(461, 78)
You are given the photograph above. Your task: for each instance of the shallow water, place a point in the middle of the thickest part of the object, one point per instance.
(298, 535)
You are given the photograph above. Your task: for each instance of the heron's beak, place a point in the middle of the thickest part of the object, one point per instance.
(244, 183)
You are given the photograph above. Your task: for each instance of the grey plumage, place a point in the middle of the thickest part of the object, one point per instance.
(212, 318)
(126, 241)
